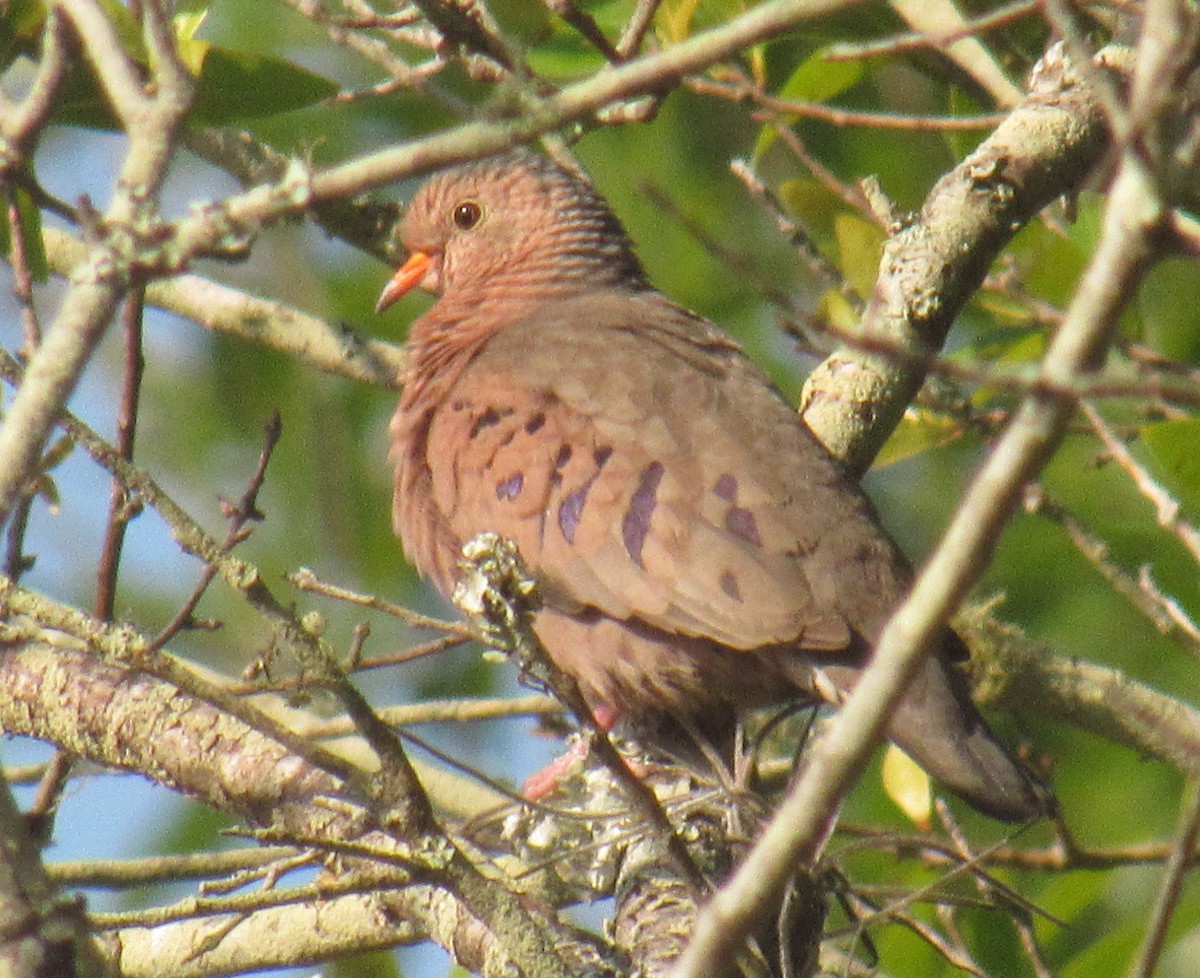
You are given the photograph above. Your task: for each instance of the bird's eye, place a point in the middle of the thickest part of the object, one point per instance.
(466, 215)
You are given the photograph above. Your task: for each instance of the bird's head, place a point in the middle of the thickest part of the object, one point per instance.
(517, 221)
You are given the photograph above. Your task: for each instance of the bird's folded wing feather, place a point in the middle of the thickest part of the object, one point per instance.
(644, 469)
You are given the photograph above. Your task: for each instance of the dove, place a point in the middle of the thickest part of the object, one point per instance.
(697, 550)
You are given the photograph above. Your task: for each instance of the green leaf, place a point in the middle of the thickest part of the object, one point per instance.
(1173, 447)
(20, 30)
(1010, 347)
(57, 453)
(128, 30)
(814, 80)
(1165, 307)
(961, 143)
(45, 485)
(1050, 262)
(81, 102)
(817, 79)
(1029, 348)
(813, 205)
(31, 230)
(561, 51)
(562, 60)
(1115, 943)
(231, 86)
(374, 964)
(1003, 310)
(46, 489)
(236, 85)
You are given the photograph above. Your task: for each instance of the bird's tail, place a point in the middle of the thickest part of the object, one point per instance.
(939, 727)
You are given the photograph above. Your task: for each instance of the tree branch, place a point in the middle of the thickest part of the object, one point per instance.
(119, 718)
(933, 264)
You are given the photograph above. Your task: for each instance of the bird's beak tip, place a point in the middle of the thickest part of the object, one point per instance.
(407, 277)
(386, 298)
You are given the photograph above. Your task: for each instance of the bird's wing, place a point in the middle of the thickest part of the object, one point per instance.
(648, 473)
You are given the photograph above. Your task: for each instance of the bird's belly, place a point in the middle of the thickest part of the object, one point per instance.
(637, 670)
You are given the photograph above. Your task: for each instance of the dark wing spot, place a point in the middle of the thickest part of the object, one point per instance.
(564, 456)
(636, 523)
(726, 487)
(571, 509)
(741, 523)
(729, 585)
(489, 418)
(510, 488)
(536, 423)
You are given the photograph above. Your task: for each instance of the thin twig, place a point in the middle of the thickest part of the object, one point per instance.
(306, 580)
(742, 89)
(1171, 886)
(586, 25)
(21, 123)
(921, 40)
(746, 268)
(1168, 510)
(121, 509)
(825, 272)
(119, 874)
(1164, 614)
(22, 275)
(239, 516)
(636, 27)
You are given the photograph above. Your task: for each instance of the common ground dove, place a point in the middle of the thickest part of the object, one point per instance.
(697, 549)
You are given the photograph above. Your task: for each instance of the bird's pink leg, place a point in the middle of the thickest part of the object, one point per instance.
(543, 781)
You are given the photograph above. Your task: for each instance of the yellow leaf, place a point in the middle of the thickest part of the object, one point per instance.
(192, 51)
(674, 20)
(918, 431)
(835, 309)
(188, 23)
(907, 785)
(860, 243)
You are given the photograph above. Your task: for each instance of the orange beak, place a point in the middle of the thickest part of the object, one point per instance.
(406, 278)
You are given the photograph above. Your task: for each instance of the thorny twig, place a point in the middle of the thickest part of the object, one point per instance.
(239, 516)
